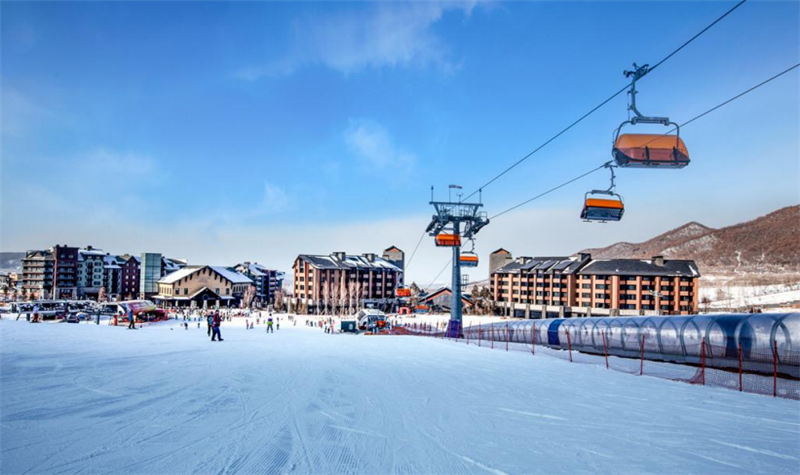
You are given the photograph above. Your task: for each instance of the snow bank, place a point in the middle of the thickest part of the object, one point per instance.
(97, 399)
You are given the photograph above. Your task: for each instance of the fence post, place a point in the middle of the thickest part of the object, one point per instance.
(491, 337)
(569, 345)
(775, 368)
(740, 366)
(480, 335)
(533, 339)
(467, 336)
(506, 336)
(605, 350)
(641, 362)
(703, 361)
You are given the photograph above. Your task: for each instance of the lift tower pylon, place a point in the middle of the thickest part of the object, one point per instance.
(461, 220)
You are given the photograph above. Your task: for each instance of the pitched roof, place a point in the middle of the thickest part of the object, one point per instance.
(226, 272)
(670, 268)
(348, 263)
(444, 290)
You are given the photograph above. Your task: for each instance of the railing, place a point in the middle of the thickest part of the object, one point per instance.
(773, 370)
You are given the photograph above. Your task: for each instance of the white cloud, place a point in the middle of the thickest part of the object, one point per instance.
(373, 144)
(101, 160)
(385, 34)
(275, 200)
(19, 114)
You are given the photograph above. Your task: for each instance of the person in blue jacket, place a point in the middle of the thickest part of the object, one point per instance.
(131, 320)
(210, 321)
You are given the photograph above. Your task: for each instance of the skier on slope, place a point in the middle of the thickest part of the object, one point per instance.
(215, 333)
(269, 325)
(210, 322)
(131, 320)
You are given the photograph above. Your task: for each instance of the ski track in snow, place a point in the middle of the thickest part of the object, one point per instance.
(86, 399)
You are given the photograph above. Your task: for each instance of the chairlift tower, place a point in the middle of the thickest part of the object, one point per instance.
(458, 219)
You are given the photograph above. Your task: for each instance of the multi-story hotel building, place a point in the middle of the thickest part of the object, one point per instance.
(339, 281)
(37, 274)
(90, 272)
(267, 281)
(130, 274)
(582, 286)
(51, 273)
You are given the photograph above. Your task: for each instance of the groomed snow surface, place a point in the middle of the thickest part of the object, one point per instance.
(163, 400)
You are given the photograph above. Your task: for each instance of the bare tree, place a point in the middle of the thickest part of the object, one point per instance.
(334, 297)
(247, 296)
(326, 297)
(102, 296)
(351, 296)
(278, 300)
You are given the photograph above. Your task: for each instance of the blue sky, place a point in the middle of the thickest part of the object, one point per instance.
(222, 132)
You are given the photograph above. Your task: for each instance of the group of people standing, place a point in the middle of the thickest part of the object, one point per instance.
(214, 320)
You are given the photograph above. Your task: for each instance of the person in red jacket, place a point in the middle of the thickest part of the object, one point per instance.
(215, 328)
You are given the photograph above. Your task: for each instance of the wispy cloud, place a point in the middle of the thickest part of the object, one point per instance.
(275, 200)
(19, 114)
(102, 160)
(386, 34)
(373, 145)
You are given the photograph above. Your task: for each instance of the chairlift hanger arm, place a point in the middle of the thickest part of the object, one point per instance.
(637, 73)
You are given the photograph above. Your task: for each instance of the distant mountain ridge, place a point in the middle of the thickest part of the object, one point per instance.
(770, 243)
(11, 261)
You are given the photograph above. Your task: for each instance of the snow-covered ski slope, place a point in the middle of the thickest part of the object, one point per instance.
(97, 399)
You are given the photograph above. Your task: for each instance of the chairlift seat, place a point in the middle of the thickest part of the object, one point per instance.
(468, 260)
(448, 240)
(600, 209)
(650, 151)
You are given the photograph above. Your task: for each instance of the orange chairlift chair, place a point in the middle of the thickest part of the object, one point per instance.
(603, 205)
(469, 258)
(647, 150)
(448, 240)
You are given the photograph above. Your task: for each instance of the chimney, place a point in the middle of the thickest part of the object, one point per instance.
(658, 260)
(370, 257)
(584, 256)
(339, 255)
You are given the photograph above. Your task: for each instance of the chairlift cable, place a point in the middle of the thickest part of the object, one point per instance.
(627, 86)
(703, 114)
(428, 288)
(415, 251)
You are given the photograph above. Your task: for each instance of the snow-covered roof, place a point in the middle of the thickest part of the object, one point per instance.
(232, 275)
(334, 261)
(179, 274)
(669, 268)
(226, 272)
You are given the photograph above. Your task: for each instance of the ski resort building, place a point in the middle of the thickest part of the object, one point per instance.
(267, 281)
(131, 273)
(51, 273)
(534, 287)
(203, 286)
(440, 300)
(340, 281)
(90, 272)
